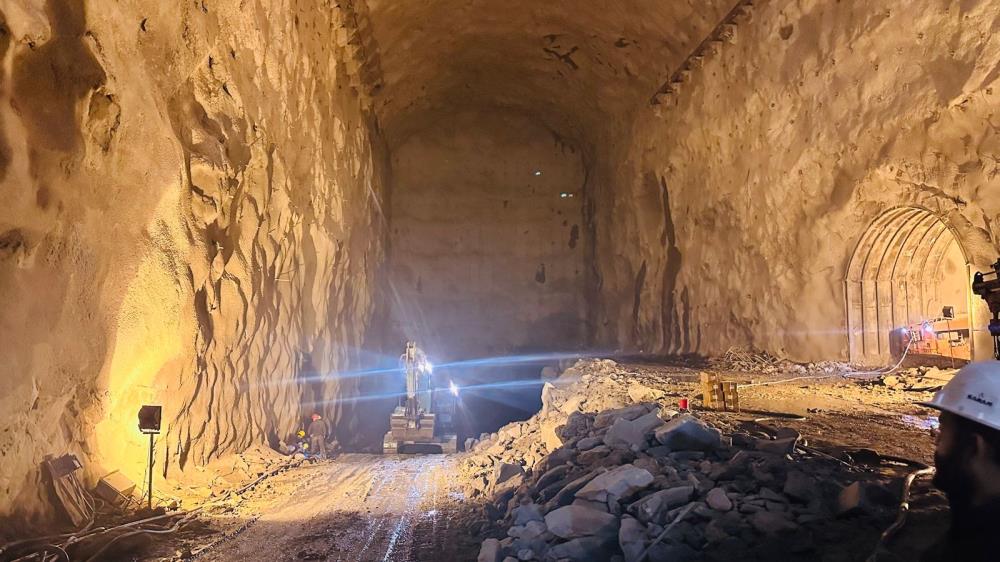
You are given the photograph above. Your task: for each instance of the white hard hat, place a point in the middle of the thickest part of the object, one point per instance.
(973, 393)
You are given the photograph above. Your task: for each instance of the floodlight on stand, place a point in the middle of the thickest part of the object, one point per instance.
(149, 423)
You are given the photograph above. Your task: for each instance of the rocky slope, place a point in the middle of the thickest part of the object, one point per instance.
(644, 482)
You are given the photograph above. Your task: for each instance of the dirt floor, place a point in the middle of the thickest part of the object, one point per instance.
(410, 508)
(355, 507)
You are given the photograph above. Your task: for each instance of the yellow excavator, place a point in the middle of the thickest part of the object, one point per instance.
(424, 420)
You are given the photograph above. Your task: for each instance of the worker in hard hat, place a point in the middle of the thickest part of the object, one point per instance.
(318, 432)
(967, 463)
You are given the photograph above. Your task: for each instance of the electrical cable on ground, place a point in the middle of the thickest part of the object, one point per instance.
(134, 527)
(848, 374)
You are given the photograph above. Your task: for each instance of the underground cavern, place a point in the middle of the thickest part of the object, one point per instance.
(420, 280)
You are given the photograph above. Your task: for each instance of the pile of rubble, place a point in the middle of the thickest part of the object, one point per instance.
(742, 360)
(589, 385)
(636, 481)
(920, 379)
(739, 360)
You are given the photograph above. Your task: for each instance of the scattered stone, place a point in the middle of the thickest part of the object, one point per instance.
(799, 486)
(527, 513)
(574, 521)
(863, 497)
(642, 393)
(566, 495)
(583, 549)
(505, 471)
(621, 482)
(632, 538)
(489, 551)
(650, 507)
(771, 523)
(718, 500)
(588, 443)
(632, 433)
(606, 419)
(552, 476)
(768, 494)
(687, 433)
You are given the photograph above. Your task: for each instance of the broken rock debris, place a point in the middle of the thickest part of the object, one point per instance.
(600, 477)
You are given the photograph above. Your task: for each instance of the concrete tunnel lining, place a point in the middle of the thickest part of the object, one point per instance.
(894, 275)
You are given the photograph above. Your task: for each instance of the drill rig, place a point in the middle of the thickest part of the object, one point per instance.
(424, 418)
(987, 286)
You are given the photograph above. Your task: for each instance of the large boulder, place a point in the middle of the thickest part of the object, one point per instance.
(632, 538)
(800, 486)
(718, 500)
(526, 513)
(583, 549)
(574, 521)
(687, 433)
(588, 443)
(608, 417)
(620, 482)
(548, 430)
(577, 425)
(503, 472)
(568, 492)
(490, 551)
(770, 523)
(633, 433)
(552, 476)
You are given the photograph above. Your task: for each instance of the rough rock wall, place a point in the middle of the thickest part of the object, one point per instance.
(487, 254)
(190, 217)
(734, 215)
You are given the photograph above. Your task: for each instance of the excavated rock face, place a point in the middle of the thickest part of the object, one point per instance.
(740, 200)
(190, 219)
(486, 251)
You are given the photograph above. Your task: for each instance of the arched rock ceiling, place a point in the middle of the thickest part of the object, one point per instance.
(577, 65)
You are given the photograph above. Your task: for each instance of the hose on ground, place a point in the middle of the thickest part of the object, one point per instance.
(848, 374)
(904, 509)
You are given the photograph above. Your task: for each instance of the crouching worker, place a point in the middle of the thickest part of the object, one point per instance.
(967, 463)
(318, 432)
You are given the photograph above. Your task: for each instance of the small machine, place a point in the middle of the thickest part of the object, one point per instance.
(987, 286)
(943, 341)
(424, 421)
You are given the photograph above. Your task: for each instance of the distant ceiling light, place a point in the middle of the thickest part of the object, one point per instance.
(538, 172)
(566, 195)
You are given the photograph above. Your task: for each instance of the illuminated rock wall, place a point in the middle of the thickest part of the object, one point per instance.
(737, 205)
(190, 217)
(487, 255)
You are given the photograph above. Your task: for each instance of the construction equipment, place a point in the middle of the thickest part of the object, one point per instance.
(424, 421)
(987, 286)
(943, 340)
